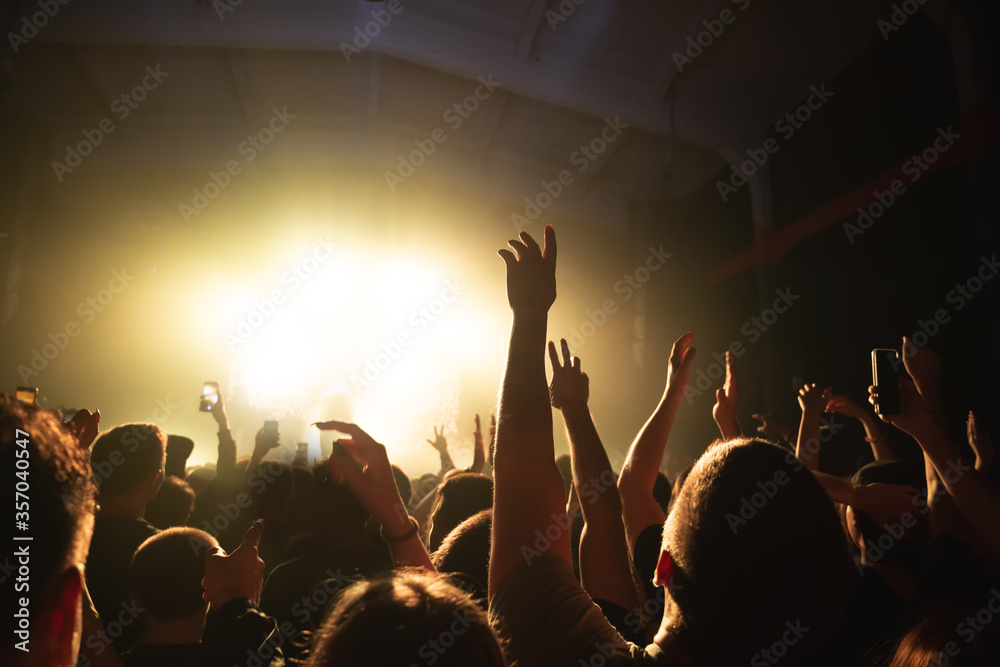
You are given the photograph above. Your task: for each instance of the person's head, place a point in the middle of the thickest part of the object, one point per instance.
(466, 551)
(172, 505)
(166, 574)
(39, 459)
(128, 461)
(402, 618)
(756, 553)
(884, 544)
(199, 478)
(459, 497)
(274, 486)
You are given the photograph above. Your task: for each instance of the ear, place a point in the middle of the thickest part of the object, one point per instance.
(61, 618)
(154, 484)
(664, 569)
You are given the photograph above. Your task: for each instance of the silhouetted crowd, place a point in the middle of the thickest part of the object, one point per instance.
(121, 553)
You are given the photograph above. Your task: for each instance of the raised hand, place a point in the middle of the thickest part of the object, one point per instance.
(84, 426)
(265, 442)
(913, 417)
(439, 443)
(839, 404)
(724, 417)
(813, 399)
(236, 575)
(364, 463)
(726, 399)
(531, 275)
(731, 386)
(570, 386)
(218, 413)
(679, 367)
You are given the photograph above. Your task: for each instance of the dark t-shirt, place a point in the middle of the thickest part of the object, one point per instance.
(114, 543)
(645, 556)
(298, 592)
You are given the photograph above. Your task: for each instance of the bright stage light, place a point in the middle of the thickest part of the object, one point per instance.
(381, 337)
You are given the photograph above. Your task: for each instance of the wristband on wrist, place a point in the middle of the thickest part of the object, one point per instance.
(409, 535)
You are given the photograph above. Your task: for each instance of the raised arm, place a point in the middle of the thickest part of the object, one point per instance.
(726, 399)
(845, 406)
(226, 465)
(365, 465)
(977, 500)
(528, 491)
(812, 400)
(441, 445)
(605, 565)
(638, 475)
(479, 451)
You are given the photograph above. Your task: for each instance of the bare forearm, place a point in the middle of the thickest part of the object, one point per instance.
(592, 473)
(528, 491)
(807, 441)
(975, 498)
(880, 447)
(646, 453)
(605, 566)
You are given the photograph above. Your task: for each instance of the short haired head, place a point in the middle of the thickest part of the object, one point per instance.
(126, 459)
(167, 570)
(459, 497)
(755, 547)
(172, 505)
(35, 449)
(389, 620)
(466, 551)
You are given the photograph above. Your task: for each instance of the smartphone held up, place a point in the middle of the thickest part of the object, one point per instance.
(885, 379)
(209, 396)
